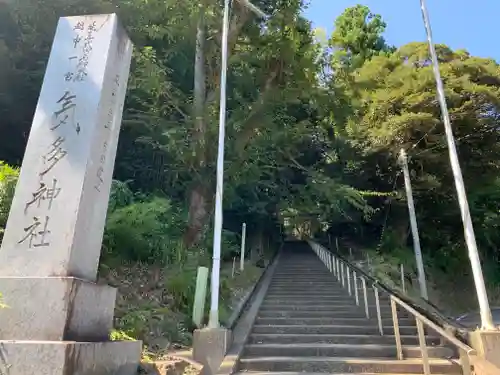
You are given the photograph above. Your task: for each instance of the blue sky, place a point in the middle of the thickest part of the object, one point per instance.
(472, 25)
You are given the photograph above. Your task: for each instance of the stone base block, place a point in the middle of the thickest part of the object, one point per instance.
(487, 345)
(209, 348)
(56, 309)
(69, 358)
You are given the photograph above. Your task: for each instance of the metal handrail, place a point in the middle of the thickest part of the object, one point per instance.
(435, 316)
(340, 268)
(466, 353)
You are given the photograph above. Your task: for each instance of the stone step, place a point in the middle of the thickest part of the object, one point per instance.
(327, 321)
(291, 288)
(284, 338)
(323, 287)
(305, 289)
(309, 291)
(311, 314)
(312, 289)
(356, 313)
(319, 295)
(335, 329)
(324, 300)
(346, 365)
(340, 350)
(320, 306)
(341, 302)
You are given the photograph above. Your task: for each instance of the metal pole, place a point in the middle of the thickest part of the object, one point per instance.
(379, 315)
(343, 274)
(414, 227)
(348, 280)
(356, 294)
(213, 321)
(243, 240)
(334, 264)
(470, 238)
(395, 323)
(365, 296)
(403, 278)
(423, 347)
(214, 305)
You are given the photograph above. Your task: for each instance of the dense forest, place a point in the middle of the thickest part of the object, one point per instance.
(315, 124)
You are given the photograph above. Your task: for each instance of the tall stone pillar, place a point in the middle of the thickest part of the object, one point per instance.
(58, 320)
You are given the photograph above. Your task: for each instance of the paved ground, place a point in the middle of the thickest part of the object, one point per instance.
(472, 320)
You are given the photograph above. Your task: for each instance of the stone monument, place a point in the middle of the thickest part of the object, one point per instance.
(58, 319)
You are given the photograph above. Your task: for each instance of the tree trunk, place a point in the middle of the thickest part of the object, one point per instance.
(198, 199)
(197, 217)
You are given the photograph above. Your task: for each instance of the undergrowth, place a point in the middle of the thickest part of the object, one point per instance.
(144, 258)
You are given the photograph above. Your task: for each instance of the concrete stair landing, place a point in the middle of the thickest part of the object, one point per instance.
(308, 324)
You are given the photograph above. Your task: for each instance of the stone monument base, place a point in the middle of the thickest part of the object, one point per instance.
(56, 309)
(68, 358)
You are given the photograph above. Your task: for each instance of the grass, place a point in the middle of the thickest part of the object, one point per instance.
(154, 304)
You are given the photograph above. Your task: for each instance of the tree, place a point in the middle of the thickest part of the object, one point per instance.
(398, 108)
(357, 38)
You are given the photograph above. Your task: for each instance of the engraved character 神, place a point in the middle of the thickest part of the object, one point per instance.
(44, 192)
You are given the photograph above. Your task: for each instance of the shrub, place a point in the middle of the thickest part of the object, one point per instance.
(143, 231)
(8, 181)
(120, 195)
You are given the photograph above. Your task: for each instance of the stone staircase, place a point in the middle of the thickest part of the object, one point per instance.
(308, 323)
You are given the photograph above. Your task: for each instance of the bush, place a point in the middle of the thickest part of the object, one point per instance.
(8, 181)
(120, 195)
(143, 231)
(230, 246)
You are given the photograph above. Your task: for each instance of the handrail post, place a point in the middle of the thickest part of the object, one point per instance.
(348, 280)
(379, 315)
(403, 278)
(356, 294)
(343, 274)
(395, 323)
(365, 296)
(333, 264)
(465, 362)
(423, 347)
(339, 271)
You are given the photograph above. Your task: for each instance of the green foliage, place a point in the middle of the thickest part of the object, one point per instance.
(143, 231)
(120, 195)
(138, 321)
(118, 335)
(357, 37)
(8, 181)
